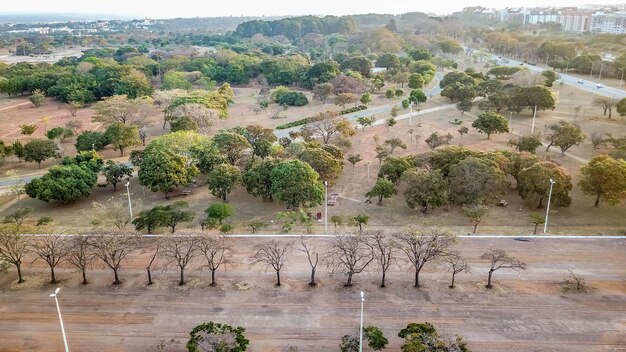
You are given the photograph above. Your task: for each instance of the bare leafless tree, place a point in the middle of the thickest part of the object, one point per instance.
(383, 251)
(179, 251)
(457, 264)
(52, 249)
(272, 254)
(148, 268)
(499, 259)
(423, 245)
(113, 249)
(80, 254)
(348, 254)
(216, 250)
(325, 127)
(202, 116)
(313, 258)
(13, 247)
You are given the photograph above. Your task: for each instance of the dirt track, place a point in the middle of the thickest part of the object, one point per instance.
(525, 312)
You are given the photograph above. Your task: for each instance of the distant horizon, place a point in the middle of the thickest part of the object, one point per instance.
(270, 8)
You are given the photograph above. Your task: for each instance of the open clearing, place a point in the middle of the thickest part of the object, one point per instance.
(524, 312)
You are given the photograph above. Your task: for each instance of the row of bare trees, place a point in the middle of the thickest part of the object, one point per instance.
(345, 254)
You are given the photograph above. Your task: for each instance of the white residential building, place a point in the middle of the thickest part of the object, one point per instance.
(613, 23)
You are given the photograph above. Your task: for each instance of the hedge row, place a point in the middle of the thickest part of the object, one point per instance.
(312, 119)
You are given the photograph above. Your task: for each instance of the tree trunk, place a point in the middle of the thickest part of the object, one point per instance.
(39, 164)
(417, 278)
(20, 279)
(84, 277)
(382, 283)
(540, 203)
(475, 226)
(488, 135)
(164, 119)
(536, 225)
(224, 198)
(149, 276)
(114, 186)
(597, 200)
(173, 228)
(182, 277)
(312, 283)
(489, 279)
(452, 283)
(349, 282)
(213, 283)
(277, 277)
(117, 277)
(121, 151)
(53, 279)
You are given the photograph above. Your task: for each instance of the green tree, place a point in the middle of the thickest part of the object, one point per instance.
(345, 98)
(474, 180)
(394, 143)
(425, 188)
(175, 80)
(537, 219)
(416, 81)
(382, 189)
(39, 150)
(534, 183)
(327, 166)
(604, 177)
(162, 170)
(359, 221)
(217, 337)
(564, 135)
(528, 143)
(393, 168)
(233, 145)
(550, 77)
(354, 159)
(37, 97)
(18, 150)
(116, 172)
(257, 178)
(376, 339)
(366, 98)
(219, 212)
(152, 219)
(529, 97)
(122, 136)
(365, 121)
(390, 94)
(476, 214)
(223, 179)
(360, 64)
(491, 122)
(296, 184)
(435, 140)
(89, 140)
(27, 129)
(621, 107)
(63, 183)
(175, 214)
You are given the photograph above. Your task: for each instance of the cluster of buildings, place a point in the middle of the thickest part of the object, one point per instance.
(571, 18)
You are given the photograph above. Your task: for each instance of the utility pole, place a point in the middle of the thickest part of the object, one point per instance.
(545, 224)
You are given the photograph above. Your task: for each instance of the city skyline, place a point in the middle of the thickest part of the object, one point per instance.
(186, 8)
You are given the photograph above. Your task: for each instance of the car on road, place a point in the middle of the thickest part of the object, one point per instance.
(599, 85)
(581, 81)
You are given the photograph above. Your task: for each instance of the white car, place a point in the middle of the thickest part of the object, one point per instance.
(599, 85)
(581, 81)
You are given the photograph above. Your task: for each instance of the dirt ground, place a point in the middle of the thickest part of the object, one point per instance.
(526, 311)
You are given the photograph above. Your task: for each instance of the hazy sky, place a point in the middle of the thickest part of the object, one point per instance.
(211, 8)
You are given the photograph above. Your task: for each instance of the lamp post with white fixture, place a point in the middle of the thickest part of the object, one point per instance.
(545, 224)
(326, 207)
(55, 294)
(361, 329)
(130, 205)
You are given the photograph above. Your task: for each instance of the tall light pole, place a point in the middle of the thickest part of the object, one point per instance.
(411, 113)
(591, 72)
(567, 66)
(368, 170)
(621, 80)
(601, 66)
(55, 294)
(545, 224)
(326, 207)
(130, 205)
(361, 329)
(532, 129)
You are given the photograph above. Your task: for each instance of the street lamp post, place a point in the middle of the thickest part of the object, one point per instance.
(601, 66)
(621, 80)
(361, 329)
(545, 224)
(55, 294)
(567, 66)
(411, 113)
(368, 171)
(532, 129)
(130, 205)
(591, 72)
(326, 207)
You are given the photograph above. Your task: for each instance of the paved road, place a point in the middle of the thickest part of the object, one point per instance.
(369, 112)
(584, 84)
